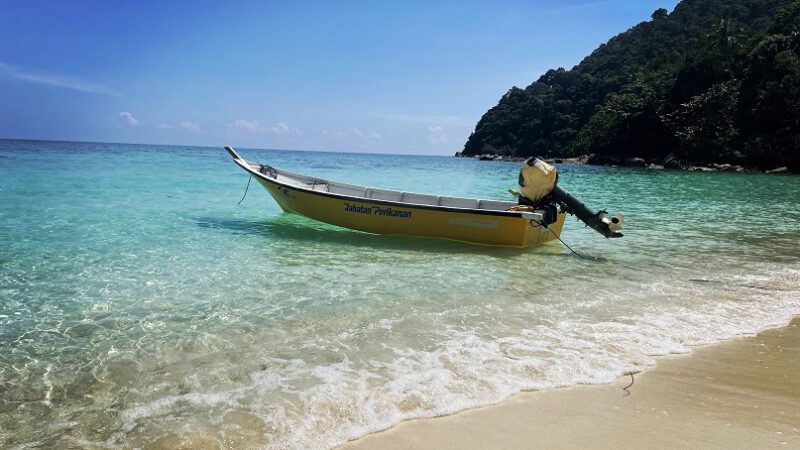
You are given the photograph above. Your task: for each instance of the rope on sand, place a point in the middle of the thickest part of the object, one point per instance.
(627, 392)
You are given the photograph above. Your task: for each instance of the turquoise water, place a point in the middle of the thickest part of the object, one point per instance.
(140, 306)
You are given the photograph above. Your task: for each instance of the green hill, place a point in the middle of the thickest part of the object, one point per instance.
(713, 81)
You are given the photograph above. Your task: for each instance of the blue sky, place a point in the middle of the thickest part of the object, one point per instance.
(383, 77)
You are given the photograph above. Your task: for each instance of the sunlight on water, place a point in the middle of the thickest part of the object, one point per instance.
(140, 306)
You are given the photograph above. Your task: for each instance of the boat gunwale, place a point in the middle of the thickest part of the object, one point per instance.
(490, 212)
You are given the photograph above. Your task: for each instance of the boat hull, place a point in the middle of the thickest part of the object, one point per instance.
(499, 228)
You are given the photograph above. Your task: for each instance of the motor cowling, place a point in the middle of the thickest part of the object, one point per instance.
(537, 179)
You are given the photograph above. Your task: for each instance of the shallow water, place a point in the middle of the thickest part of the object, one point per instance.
(140, 306)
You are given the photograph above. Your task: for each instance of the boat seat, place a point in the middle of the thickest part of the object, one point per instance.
(495, 205)
(419, 199)
(353, 191)
(455, 202)
(382, 194)
(322, 187)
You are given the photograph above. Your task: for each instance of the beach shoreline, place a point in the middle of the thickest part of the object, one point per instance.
(740, 393)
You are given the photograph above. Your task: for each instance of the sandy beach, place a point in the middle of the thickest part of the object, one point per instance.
(743, 393)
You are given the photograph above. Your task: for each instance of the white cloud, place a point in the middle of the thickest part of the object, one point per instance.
(191, 126)
(247, 126)
(252, 126)
(128, 119)
(437, 135)
(447, 120)
(164, 126)
(49, 79)
(362, 135)
(283, 129)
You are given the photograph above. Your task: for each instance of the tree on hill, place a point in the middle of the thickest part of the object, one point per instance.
(713, 81)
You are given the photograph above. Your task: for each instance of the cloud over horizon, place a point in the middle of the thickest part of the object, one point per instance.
(62, 81)
(248, 126)
(436, 135)
(426, 119)
(191, 127)
(282, 128)
(128, 119)
(368, 135)
(254, 127)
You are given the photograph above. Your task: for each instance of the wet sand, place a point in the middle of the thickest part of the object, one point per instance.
(744, 393)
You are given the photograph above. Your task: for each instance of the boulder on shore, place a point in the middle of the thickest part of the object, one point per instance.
(635, 162)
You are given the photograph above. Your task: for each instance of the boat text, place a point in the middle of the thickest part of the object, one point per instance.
(477, 223)
(377, 211)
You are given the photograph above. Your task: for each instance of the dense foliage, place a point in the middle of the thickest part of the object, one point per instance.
(713, 81)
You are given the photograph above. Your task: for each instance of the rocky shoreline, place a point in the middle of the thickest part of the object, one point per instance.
(668, 162)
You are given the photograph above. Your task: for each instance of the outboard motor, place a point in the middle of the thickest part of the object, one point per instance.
(539, 188)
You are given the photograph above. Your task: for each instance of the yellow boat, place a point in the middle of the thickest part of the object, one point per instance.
(383, 211)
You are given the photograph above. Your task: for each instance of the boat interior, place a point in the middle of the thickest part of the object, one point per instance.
(368, 193)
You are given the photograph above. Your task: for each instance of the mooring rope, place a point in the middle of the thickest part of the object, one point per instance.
(580, 255)
(245, 190)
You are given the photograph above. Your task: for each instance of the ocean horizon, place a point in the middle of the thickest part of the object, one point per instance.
(140, 305)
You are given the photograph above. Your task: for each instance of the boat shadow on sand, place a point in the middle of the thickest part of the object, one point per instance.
(297, 228)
